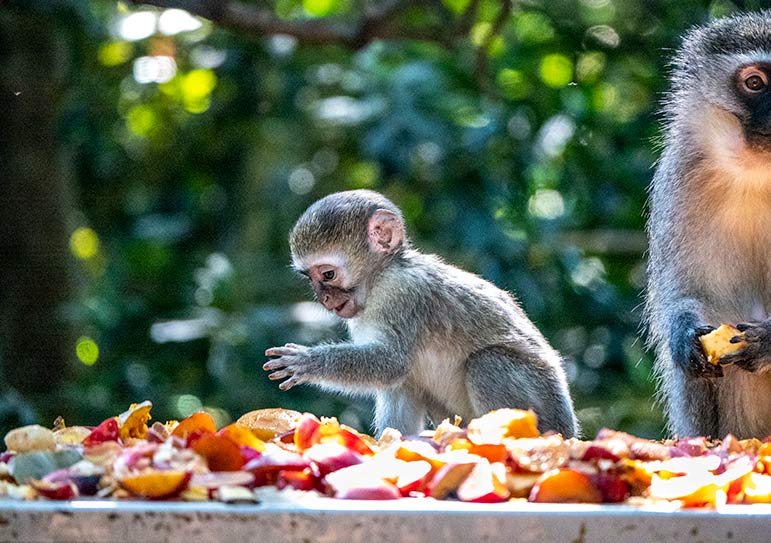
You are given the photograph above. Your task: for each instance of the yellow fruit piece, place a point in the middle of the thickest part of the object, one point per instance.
(133, 423)
(156, 484)
(266, 424)
(496, 425)
(717, 343)
(242, 436)
(757, 488)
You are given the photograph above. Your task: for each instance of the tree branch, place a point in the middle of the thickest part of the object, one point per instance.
(375, 23)
(495, 29)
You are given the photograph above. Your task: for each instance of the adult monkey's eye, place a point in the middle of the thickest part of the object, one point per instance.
(753, 79)
(754, 83)
(328, 275)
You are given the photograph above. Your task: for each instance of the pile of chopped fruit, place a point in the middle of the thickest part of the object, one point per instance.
(497, 457)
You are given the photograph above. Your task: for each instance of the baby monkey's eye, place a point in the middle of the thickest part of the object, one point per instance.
(753, 79)
(328, 275)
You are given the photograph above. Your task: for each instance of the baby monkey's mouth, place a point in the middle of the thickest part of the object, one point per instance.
(347, 309)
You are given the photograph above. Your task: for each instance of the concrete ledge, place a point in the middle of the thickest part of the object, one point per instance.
(326, 520)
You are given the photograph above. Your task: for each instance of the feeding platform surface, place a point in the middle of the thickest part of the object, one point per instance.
(325, 520)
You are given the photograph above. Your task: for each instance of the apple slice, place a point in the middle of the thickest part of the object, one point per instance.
(299, 480)
(62, 490)
(484, 485)
(413, 450)
(449, 478)
(306, 433)
(413, 477)
(222, 478)
(360, 482)
(266, 466)
(331, 457)
(613, 488)
(597, 452)
(108, 430)
(565, 485)
(700, 487)
(379, 491)
(520, 484)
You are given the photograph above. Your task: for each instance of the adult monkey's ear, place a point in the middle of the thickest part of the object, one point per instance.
(385, 232)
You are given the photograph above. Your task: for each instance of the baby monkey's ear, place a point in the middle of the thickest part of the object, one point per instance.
(385, 231)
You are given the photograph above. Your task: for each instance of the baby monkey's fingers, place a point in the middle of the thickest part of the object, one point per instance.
(278, 375)
(277, 364)
(288, 349)
(289, 383)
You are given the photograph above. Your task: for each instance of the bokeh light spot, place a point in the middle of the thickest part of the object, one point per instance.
(513, 83)
(195, 87)
(155, 69)
(141, 120)
(546, 204)
(84, 243)
(533, 27)
(556, 70)
(319, 8)
(174, 21)
(187, 404)
(114, 53)
(364, 175)
(137, 26)
(456, 6)
(87, 350)
(198, 83)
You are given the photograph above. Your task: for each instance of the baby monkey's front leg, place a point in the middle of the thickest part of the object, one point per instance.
(373, 365)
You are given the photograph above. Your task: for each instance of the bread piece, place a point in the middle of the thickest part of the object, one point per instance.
(717, 343)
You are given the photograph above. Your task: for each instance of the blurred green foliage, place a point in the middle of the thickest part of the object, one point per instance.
(520, 150)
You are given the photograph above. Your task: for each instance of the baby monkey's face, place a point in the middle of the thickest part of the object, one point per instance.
(331, 283)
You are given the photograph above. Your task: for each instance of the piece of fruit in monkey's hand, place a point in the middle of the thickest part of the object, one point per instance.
(717, 343)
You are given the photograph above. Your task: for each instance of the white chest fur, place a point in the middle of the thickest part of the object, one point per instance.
(362, 332)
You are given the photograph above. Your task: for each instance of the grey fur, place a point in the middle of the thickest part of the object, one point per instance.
(710, 232)
(432, 340)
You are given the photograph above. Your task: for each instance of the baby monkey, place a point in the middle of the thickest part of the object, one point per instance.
(427, 339)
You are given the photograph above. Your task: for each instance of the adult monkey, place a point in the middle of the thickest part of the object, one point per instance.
(428, 339)
(710, 230)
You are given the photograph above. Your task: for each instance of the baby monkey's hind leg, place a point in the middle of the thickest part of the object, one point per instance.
(502, 376)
